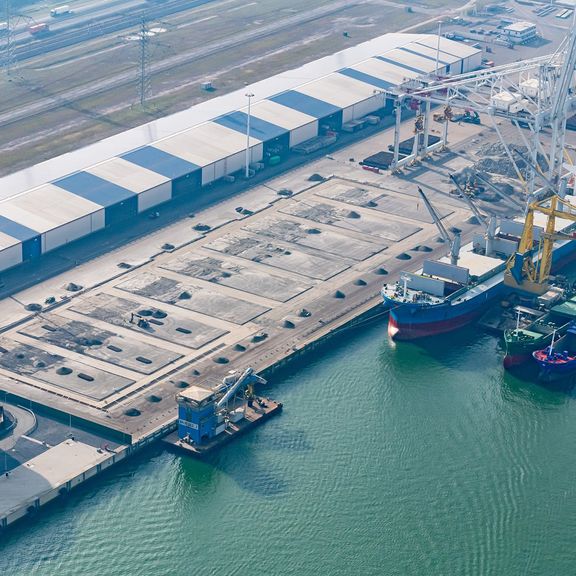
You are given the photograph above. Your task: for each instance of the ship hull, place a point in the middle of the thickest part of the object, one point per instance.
(555, 372)
(559, 362)
(402, 330)
(411, 321)
(512, 360)
(414, 321)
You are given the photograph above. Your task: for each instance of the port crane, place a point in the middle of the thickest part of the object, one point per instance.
(528, 270)
(540, 92)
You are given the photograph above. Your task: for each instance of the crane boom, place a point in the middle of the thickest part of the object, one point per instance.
(246, 378)
(435, 217)
(481, 218)
(454, 243)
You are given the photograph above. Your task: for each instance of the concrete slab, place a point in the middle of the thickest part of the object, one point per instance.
(192, 297)
(365, 223)
(411, 208)
(349, 193)
(279, 255)
(321, 239)
(247, 279)
(94, 342)
(172, 326)
(65, 373)
(408, 205)
(41, 475)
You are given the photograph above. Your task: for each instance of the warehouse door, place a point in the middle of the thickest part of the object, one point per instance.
(122, 211)
(32, 249)
(187, 184)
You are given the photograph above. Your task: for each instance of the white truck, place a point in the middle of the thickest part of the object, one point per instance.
(60, 11)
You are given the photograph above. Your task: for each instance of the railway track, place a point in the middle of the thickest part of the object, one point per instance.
(49, 102)
(92, 28)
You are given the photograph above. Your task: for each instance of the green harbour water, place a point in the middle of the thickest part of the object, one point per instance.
(388, 460)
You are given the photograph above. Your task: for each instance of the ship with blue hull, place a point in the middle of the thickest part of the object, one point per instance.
(557, 362)
(454, 291)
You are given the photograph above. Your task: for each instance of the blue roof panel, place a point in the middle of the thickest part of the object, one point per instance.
(161, 162)
(94, 188)
(405, 66)
(259, 129)
(367, 78)
(440, 61)
(16, 230)
(306, 104)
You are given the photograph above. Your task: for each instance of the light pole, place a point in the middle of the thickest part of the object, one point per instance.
(249, 95)
(438, 47)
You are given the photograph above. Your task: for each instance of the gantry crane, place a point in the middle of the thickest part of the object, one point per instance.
(529, 268)
(480, 91)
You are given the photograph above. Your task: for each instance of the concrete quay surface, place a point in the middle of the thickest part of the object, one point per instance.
(252, 281)
(249, 282)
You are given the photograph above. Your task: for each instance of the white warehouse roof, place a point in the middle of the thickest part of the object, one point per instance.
(520, 27)
(206, 111)
(46, 207)
(205, 144)
(415, 62)
(128, 175)
(275, 113)
(395, 75)
(449, 46)
(338, 90)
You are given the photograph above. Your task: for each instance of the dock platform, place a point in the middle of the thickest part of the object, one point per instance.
(258, 413)
(253, 281)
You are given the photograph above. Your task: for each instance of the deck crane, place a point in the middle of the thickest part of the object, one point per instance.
(453, 242)
(235, 382)
(489, 223)
(528, 270)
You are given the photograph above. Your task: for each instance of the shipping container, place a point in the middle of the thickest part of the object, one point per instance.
(39, 29)
(60, 11)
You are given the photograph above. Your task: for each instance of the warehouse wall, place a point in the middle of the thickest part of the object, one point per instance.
(362, 108)
(303, 133)
(472, 62)
(72, 231)
(154, 196)
(11, 256)
(188, 184)
(231, 164)
(122, 211)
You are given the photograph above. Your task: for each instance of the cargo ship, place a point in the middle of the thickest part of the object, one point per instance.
(521, 343)
(558, 361)
(442, 296)
(454, 291)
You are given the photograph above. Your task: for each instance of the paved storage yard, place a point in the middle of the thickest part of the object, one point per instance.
(248, 290)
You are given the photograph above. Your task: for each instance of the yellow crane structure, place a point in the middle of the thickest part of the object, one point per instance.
(528, 270)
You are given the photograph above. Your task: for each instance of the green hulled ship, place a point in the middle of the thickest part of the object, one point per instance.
(522, 342)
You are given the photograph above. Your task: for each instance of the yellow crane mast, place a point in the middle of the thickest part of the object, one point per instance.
(528, 270)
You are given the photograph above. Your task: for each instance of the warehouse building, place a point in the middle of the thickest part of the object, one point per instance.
(181, 154)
